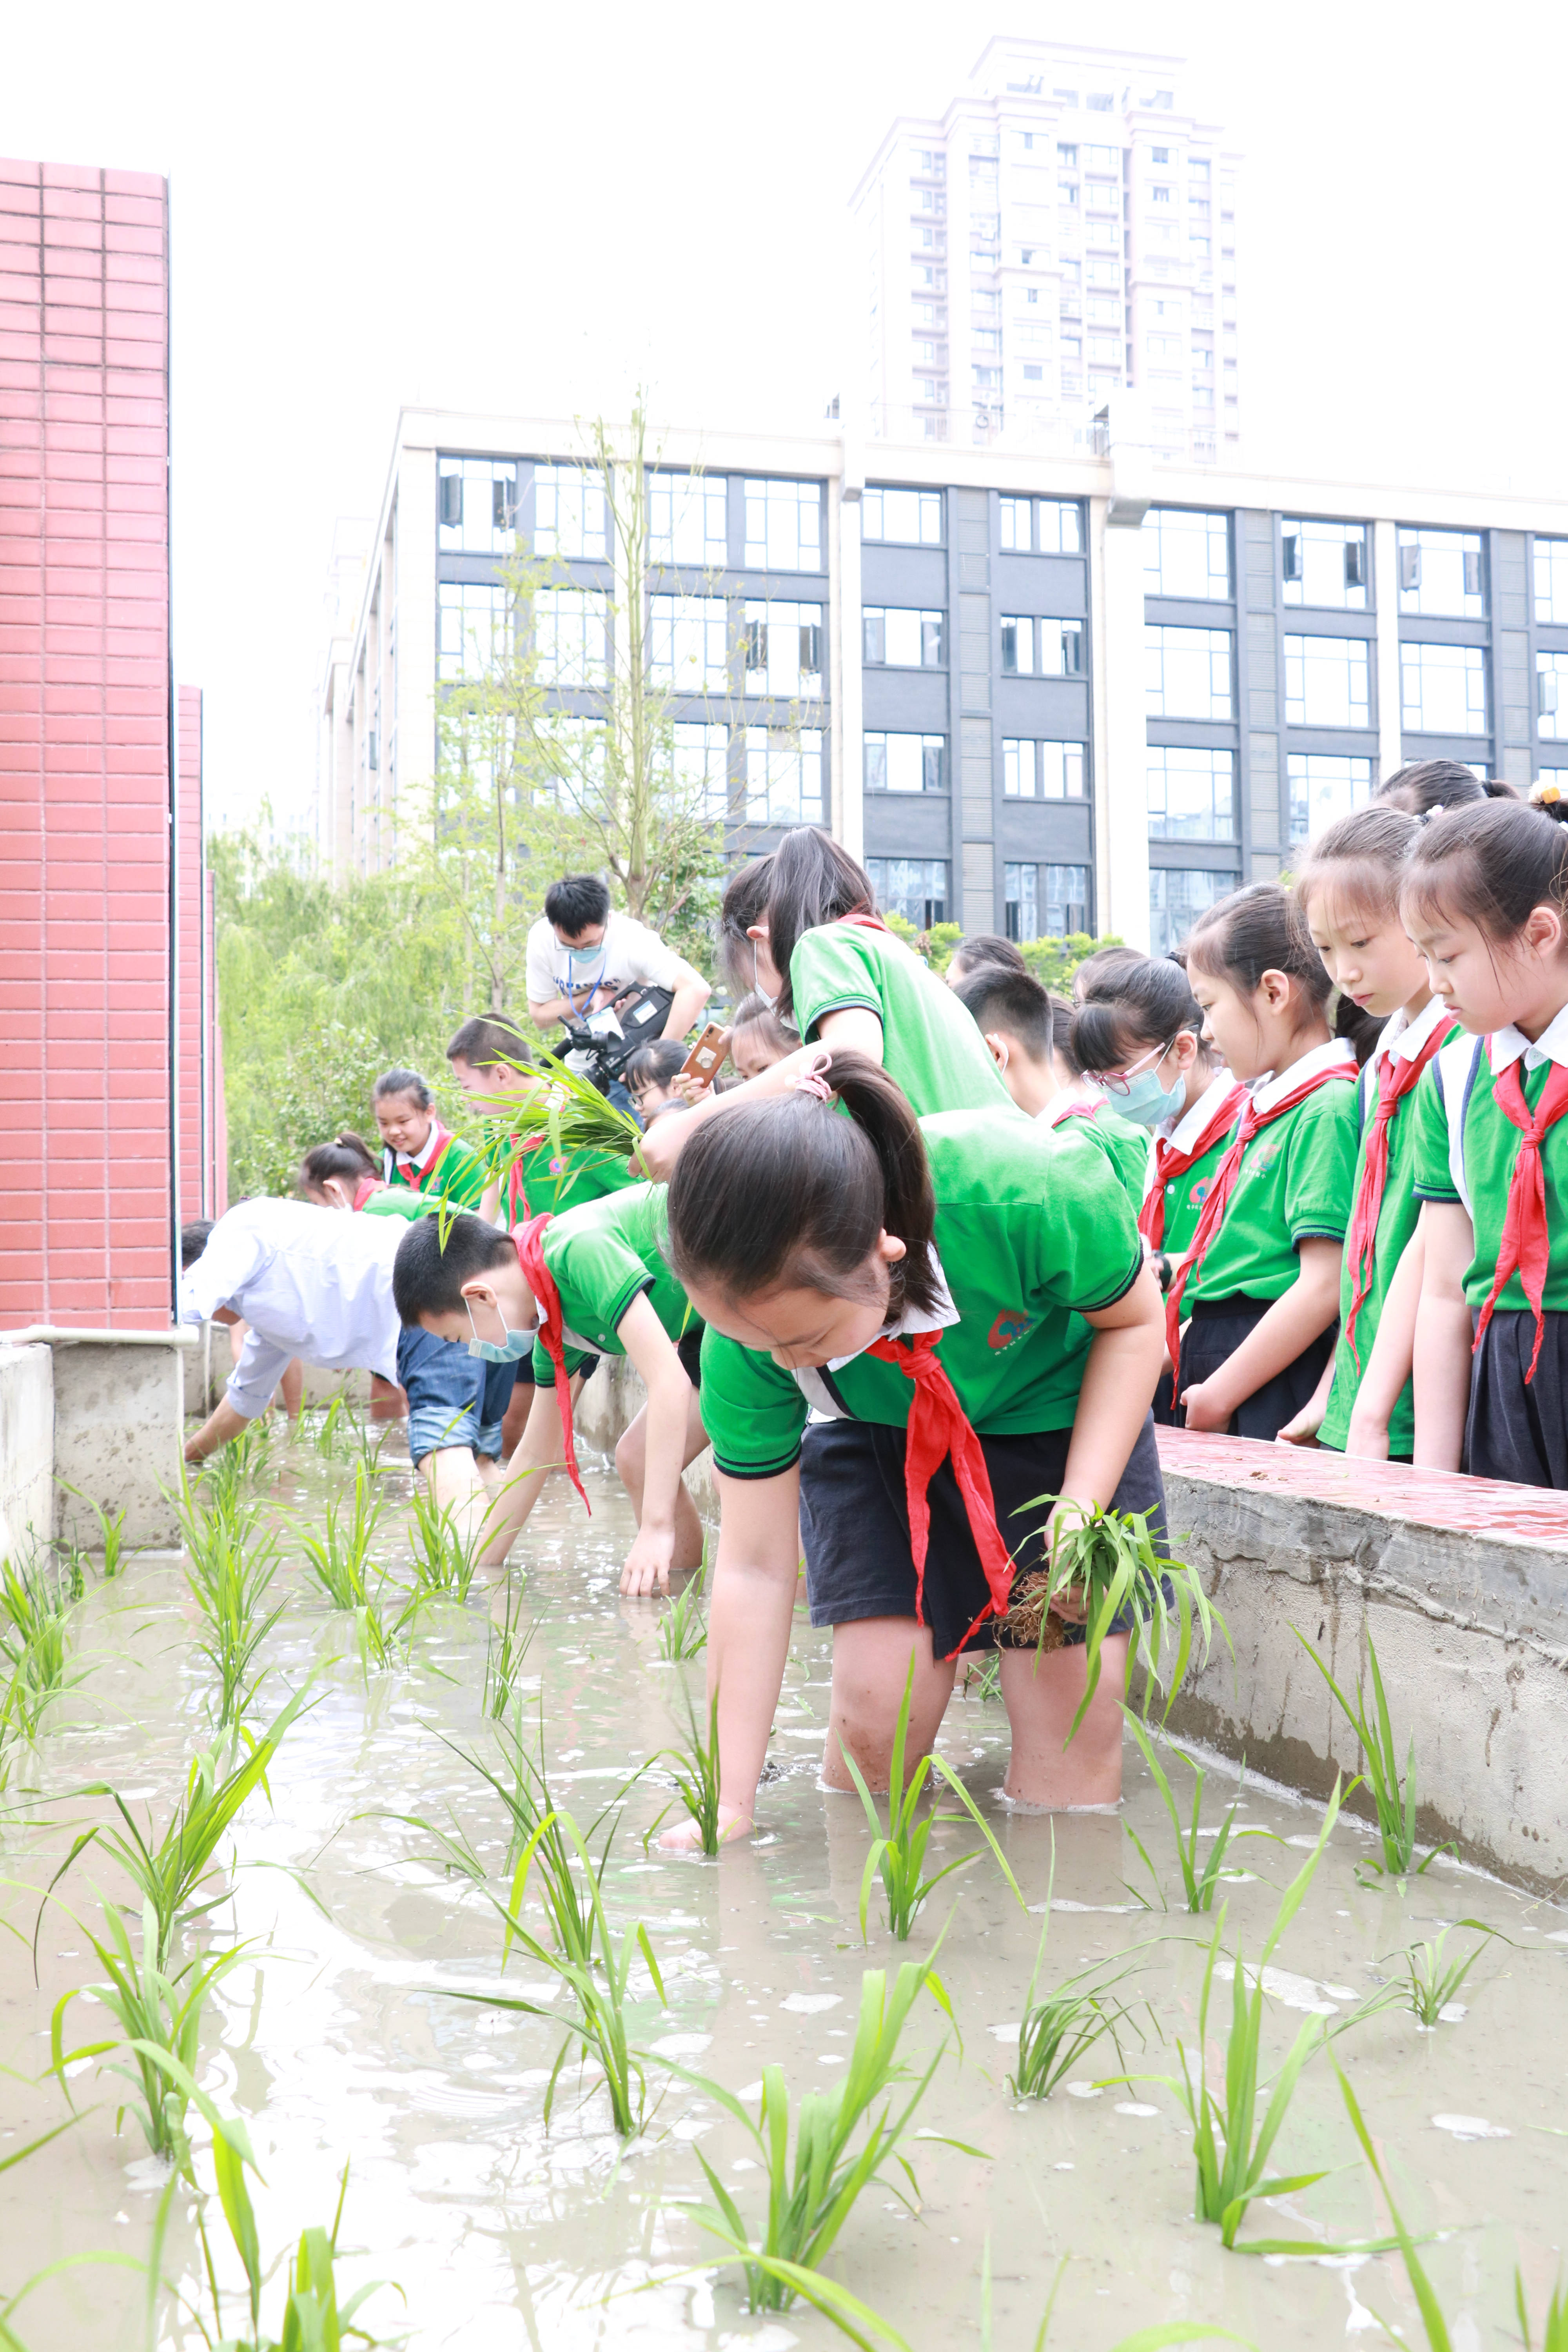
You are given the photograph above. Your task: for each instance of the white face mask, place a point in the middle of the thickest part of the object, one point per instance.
(771, 1001)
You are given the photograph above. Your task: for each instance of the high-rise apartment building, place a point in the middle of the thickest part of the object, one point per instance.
(1066, 231)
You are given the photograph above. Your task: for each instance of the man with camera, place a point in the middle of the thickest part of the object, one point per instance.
(582, 957)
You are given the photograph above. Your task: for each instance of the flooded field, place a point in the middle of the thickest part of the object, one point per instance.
(336, 2037)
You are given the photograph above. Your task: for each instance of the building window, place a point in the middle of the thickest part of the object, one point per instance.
(472, 629)
(699, 763)
(1323, 788)
(477, 505)
(688, 520)
(1186, 555)
(782, 653)
(572, 635)
(1551, 695)
(783, 775)
(1192, 794)
(1062, 901)
(784, 526)
(1325, 563)
(1021, 901)
(1440, 573)
(687, 643)
(899, 638)
(906, 763)
(1040, 646)
(1327, 682)
(1177, 896)
(1443, 689)
(1552, 582)
(1034, 771)
(1188, 673)
(915, 888)
(569, 513)
(907, 517)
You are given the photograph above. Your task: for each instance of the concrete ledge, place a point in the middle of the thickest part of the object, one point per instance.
(117, 1416)
(26, 1447)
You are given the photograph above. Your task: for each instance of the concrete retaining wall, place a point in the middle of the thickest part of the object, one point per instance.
(211, 1361)
(118, 1415)
(1462, 1583)
(27, 1445)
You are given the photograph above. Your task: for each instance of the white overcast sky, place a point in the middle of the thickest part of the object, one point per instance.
(530, 209)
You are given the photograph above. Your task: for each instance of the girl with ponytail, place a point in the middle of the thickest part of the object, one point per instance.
(971, 1318)
(801, 927)
(1485, 898)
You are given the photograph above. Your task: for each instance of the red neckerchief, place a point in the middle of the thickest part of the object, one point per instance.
(418, 1179)
(863, 919)
(1252, 1122)
(366, 1189)
(529, 1240)
(939, 1426)
(1170, 1164)
(1394, 1080)
(1077, 1109)
(514, 1184)
(1526, 1240)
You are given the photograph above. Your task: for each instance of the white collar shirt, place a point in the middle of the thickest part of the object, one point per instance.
(1404, 1039)
(1505, 1047)
(809, 1379)
(309, 1282)
(1337, 1053)
(422, 1158)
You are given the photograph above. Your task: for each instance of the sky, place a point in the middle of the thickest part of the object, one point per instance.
(533, 209)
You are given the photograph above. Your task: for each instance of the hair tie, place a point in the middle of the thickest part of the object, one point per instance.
(811, 1080)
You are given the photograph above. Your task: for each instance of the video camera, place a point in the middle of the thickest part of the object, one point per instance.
(607, 1038)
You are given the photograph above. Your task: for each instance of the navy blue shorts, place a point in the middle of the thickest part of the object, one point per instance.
(1217, 1330)
(1513, 1430)
(855, 1522)
(453, 1398)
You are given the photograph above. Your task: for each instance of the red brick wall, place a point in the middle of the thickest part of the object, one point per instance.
(85, 725)
(192, 980)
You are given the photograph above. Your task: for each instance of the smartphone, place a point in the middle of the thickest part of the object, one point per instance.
(707, 1055)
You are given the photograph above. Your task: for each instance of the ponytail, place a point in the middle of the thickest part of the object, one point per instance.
(1128, 1004)
(1426, 785)
(348, 1157)
(818, 1191)
(811, 881)
(1489, 866)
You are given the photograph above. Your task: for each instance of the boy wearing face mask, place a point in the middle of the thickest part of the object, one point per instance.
(1013, 1013)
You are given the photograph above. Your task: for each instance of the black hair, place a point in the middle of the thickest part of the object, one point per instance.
(404, 1082)
(1130, 1005)
(1063, 1015)
(489, 1038)
(575, 902)
(811, 881)
(1012, 1001)
(1103, 962)
(1490, 866)
(1366, 851)
(193, 1239)
(430, 1269)
(348, 1157)
(981, 947)
(654, 1063)
(1258, 929)
(744, 902)
(817, 1189)
(755, 1012)
(1427, 784)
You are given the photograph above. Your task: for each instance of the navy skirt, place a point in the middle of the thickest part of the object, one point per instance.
(1217, 1330)
(1514, 1429)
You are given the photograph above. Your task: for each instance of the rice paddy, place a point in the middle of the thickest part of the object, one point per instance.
(360, 1881)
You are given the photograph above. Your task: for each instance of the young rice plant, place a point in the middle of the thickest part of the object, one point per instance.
(339, 1557)
(1395, 1803)
(1198, 1884)
(1430, 1983)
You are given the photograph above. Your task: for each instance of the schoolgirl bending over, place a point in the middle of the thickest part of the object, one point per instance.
(971, 1318)
(1348, 890)
(594, 1279)
(1485, 897)
(1261, 1277)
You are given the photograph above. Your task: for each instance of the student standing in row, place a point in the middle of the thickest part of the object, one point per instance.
(1484, 896)
(1348, 890)
(1260, 1279)
(420, 1153)
(1017, 1020)
(969, 1317)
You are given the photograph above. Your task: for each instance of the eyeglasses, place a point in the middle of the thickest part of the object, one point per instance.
(1119, 1082)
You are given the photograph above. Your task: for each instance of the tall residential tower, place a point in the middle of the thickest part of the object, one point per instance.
(1065, 232)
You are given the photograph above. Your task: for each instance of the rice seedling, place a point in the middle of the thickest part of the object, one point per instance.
(155, 2013)
(1395, 1801)
(1554, 2337)
(695, 1769)
(986, 1685)
(899, 1857)
(1197, 1885)
(446, 1553)
(1111, 1556)
(230, 1573)
(330, 1428)
(35, 1646)
(339, 1557)
(110, 1530)
(1431, 1985)
(506, 1650)
(169, 1871)
(682, 1631)
(570, 1113)
(1060, 2031)
(844, 2137)
(1434, 2326)
(9, 2339)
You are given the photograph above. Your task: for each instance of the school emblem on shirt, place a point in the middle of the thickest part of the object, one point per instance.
(1200, 1191)
(1263, 1159)
(1006, 1328)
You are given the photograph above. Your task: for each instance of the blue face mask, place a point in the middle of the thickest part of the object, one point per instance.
(1146, 1101)
(509, 1351)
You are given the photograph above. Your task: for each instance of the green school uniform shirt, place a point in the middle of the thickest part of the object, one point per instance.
(1455, 1105)
(557, 1182)
(931, 1045)
(459, 1179)
(1296, 1184)
(603, 1255)
(397, 1201)
(1125, 1145)
(1396, 1216)
(1029, 1241)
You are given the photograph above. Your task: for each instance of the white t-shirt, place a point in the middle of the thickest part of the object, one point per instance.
(630, 952)
(309, 1282)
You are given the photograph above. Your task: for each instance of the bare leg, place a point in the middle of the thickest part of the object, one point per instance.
(452, 1474)
(871, 1664)
(291, 1388)
(387, 1402)
(1042, 1694)
(542, 1449)
(631, 1460)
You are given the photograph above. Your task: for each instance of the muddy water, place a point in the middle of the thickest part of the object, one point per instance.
(338, 2044)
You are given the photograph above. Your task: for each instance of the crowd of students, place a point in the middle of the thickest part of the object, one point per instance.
(940, 1253)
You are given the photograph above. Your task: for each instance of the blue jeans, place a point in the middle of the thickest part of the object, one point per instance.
(453, 1399)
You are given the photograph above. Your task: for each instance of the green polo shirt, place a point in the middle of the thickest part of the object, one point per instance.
(1396, 1216)
(397, 1201)
(1457, 1085)
(1030, 1240)
(603, 1255)
(1296, 1184)
(929, 1044)
(1124, 1144)
(459, 1179)
(555, 1182)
